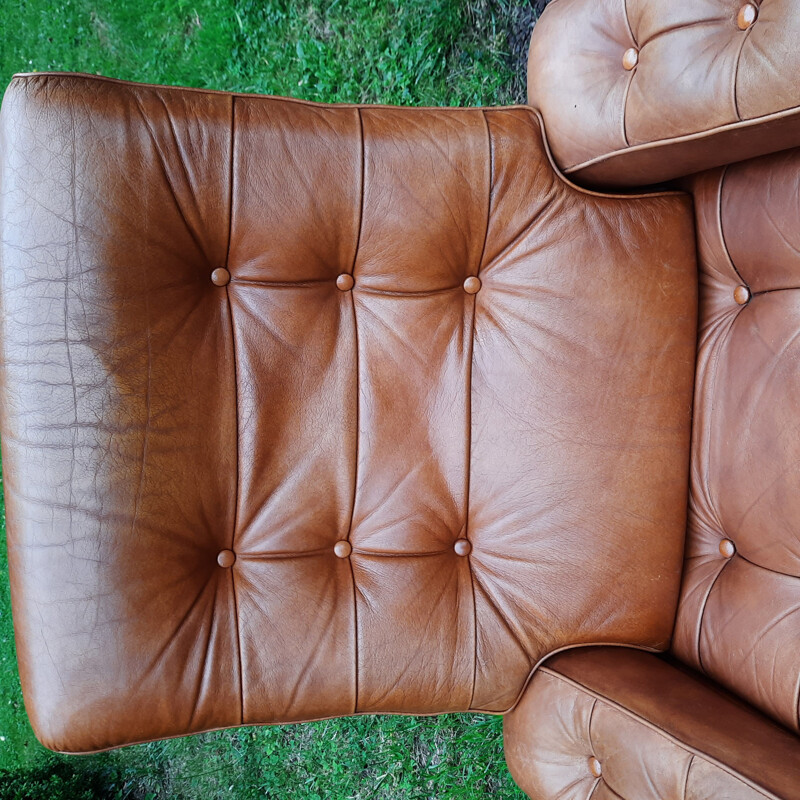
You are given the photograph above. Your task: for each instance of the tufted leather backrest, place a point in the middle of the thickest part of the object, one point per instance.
(739, 617)
(316, 410)
(638, 91)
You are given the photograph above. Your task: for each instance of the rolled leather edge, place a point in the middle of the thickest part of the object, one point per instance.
(646, 729)
(666, 159)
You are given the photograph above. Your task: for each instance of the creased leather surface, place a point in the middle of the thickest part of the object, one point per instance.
(658, 733)
(152, 418)
(687, 105)
(739, 617)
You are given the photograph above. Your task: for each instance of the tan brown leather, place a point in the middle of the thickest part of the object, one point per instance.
(609, 723)
(739, 618)
(315, 410)
(640, 91)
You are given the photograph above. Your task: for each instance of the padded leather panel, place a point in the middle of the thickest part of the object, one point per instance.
(739, 618)
(613, 723)
(703, 83)
(342, 414)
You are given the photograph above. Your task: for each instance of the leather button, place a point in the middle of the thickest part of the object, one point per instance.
(595, 767)
(226, 558)
(462, 547)
(220, 277)
(747, 16)
(472, 285)
(741, 294)
(630, 58)
(727, 548)
(342, 549)
(345, 282)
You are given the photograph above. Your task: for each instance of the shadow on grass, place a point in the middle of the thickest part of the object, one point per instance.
(60, 780)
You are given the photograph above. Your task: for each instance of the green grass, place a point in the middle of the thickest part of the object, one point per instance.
(430, 52)
(420, 52)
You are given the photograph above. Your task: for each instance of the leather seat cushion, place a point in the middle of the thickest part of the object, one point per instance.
(242, 502)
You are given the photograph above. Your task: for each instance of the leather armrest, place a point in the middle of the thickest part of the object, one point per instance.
(643, 91)
(606, 722)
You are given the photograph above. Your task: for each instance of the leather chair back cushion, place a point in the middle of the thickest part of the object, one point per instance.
(638, 91)
(426, 488)
(739, 618)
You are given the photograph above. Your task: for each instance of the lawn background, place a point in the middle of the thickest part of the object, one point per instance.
(415, 52)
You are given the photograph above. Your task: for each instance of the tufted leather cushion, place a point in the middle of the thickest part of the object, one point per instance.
(739, 619)
(317, 410)
(638, 91)
(616, 724)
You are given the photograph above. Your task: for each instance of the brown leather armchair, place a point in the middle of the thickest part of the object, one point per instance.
(319, 410)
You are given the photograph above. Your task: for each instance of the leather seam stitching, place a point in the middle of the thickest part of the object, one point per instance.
(654, 726)
(776, 289)
(503, 617)
(271, 284)
(712, 517)
(749, 122)
(735, 82)
(317, 283)
(722, 178)
(470, 359)
(714, 361)
(624, 119)
(416, 293)
(562, 175)
(286, 554)
(589, 728)
(714, 367)
(236, 407)
(628, 21)
(63, 77)
(686, 777)
(593, 790)
(617, 795)
(703, 614)
(162, 163)
(686, 26)
(625, 108)
(766, 569)
(564, 648)
(206, 647)
(706, 516)
(357, 403)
